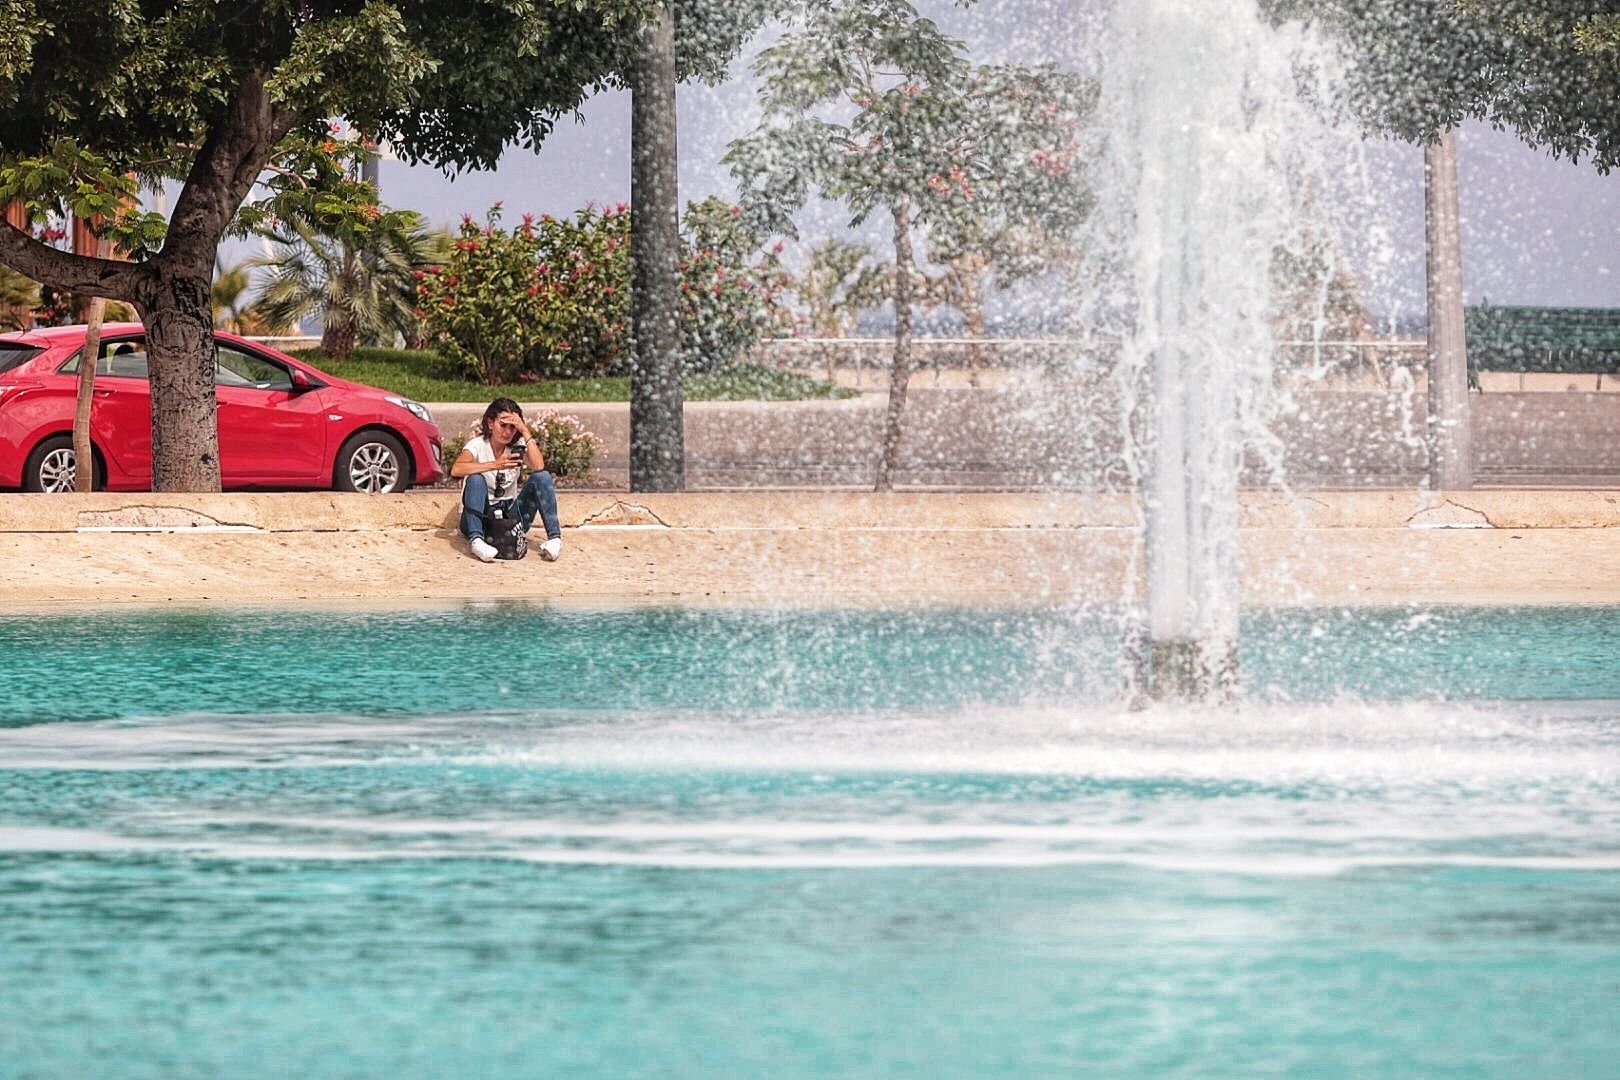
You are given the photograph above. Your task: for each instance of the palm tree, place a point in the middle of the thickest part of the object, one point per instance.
(228, 293)
(362, 284)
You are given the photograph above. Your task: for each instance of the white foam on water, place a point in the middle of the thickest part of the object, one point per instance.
(1173, 823)
(92, 841)
(1336, 745)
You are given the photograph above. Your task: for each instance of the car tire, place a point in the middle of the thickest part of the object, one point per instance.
(51, 467)
(372, 462)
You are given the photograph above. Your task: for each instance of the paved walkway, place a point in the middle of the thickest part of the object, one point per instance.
(797, 548)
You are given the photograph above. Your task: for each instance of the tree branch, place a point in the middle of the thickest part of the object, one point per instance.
(82, 274)
(226, 168)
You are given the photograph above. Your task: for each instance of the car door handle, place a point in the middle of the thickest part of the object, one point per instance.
(104, 393)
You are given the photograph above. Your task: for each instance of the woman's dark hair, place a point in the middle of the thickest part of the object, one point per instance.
(496, 407)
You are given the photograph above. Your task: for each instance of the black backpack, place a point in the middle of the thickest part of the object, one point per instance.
(505, 535)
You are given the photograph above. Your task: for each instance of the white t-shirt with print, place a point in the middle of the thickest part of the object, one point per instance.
(503, 483)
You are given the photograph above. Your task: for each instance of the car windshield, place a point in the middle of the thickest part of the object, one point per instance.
(13, 355)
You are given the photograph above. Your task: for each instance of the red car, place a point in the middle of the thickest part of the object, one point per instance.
(282, 423)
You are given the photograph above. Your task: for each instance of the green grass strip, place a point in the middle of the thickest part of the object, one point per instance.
(425, 376)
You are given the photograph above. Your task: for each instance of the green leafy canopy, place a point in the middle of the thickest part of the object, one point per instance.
(1548, 70)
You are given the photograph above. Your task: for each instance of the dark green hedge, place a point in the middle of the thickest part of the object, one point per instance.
(1533, 339)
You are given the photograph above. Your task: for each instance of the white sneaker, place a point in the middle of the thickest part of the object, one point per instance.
(551, 550)
(483, 549)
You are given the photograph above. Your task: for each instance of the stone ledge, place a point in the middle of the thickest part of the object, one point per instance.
(282, 512)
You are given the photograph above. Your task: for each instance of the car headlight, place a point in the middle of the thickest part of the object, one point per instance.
(416, 408)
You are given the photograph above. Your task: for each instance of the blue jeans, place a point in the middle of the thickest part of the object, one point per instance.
(539, 496)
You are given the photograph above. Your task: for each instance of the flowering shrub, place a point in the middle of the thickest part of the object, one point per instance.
(582, 293)
(552, 297)
(480, 305)
(569, 450)
(728, 295)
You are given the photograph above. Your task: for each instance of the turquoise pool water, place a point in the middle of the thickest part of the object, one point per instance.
(510, 841)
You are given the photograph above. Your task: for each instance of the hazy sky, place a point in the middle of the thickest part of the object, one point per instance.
(1535, 230)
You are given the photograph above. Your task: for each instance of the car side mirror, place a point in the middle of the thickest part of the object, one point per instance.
(301, 381)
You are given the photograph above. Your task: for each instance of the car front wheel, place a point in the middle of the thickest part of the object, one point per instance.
(52, 467)
(373, 462)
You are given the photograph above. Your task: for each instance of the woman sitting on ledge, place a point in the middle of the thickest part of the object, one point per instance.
(488, 467)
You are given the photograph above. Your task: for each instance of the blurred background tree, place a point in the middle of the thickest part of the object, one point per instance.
(361, 283)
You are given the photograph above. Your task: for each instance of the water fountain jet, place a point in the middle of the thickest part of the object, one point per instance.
(1201, 185)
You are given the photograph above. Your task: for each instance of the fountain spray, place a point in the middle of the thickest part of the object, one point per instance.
(1202, 183)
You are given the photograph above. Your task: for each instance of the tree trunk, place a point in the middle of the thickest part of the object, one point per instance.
(970, 300)
(900, 373)
(338, 334)
(657, 436)
(84, 470)
(1451, 460)
(180, 353)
